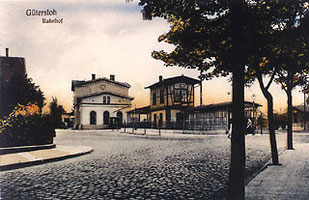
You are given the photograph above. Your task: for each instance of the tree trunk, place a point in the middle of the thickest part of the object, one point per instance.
(236, 184)
(289, 94)
(237, 162)
(270, 115)
(304, 115)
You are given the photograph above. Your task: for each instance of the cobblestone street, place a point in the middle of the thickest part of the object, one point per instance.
(124, 166)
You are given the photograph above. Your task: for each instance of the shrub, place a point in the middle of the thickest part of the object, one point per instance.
(25, 126)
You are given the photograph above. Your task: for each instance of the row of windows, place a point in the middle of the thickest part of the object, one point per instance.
(180, 95)
(212, 114)
(154, 97)
(106, 117)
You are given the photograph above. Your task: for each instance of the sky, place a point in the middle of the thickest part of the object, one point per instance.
(102, 37)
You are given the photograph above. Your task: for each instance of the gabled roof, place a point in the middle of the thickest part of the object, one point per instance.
(110, 93)
(173, 80)
(79, 83)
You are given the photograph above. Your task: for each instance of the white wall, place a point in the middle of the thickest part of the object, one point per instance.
(85, 109)
(99, 99)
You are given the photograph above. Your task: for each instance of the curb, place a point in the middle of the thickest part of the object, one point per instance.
(8, 150)
(41, 161)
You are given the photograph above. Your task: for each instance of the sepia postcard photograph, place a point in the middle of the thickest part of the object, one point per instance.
(154, 99)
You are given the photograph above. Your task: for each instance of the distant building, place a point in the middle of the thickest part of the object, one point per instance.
(168, 99)
(11, 66)
(172, 106)
(67, 119)
(100, 102)
(216, 116)
(300, 117)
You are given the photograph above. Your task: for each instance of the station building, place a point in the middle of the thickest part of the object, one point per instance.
(172, 105)
(100, 102)
(168, 98)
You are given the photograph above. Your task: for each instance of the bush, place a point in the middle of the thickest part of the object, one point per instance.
(26, 129)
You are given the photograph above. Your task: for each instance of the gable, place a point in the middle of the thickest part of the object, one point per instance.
(113, 98)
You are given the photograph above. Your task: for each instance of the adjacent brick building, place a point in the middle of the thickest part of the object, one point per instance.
(11, 66)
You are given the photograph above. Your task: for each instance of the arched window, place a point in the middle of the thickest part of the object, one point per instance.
(93, 118)
(106, 117)
(104, 100)
(108, 100)
(119, 115)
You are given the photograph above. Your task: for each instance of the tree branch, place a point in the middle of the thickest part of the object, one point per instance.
(270, 81)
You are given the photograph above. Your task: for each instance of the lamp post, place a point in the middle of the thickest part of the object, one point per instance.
(305, 90)
(201, 87)
(254, 111)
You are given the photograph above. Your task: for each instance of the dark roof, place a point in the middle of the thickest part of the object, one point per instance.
(100, 93)
(224, 105)
(77, 83)
(141, 110)
(300, 108)
(173, 80)
(74, 83)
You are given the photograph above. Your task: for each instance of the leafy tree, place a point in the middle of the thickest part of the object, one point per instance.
(276, 51)
(290, 53)
(260, 69)
(19, 90)
(21, 119)
(220, 37)
(56, 112)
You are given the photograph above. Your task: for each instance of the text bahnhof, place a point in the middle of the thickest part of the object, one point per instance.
(47, 12)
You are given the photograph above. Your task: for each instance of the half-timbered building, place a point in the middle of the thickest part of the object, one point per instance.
(172, 106)
(168, 98)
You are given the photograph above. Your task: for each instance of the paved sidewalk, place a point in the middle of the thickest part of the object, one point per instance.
(23, 159)
(285, 182)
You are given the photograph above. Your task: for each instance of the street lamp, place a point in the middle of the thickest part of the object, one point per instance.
(253, 97)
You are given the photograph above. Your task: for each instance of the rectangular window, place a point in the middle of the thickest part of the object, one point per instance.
(161, 96)
(154, 98)
(181, 95)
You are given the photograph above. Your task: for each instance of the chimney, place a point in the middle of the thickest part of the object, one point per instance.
(160, 78)
(112, 77)
(92, 76)
(7, 52)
